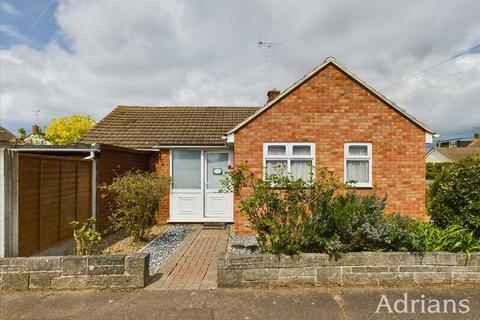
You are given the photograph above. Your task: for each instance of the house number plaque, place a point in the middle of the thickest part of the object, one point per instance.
(217, 171)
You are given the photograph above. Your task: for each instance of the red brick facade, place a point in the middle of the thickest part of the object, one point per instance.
(331, 109)
(163, 167)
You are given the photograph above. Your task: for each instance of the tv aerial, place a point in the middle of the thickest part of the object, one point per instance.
(36, 114)
(268, 45)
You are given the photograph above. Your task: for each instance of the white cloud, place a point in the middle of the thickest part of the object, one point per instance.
(192, 52)
(11, 31)
(7, 8)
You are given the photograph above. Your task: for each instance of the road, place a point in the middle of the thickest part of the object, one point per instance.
(246, 304)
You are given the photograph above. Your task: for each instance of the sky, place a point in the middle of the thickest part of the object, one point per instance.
(65, 57)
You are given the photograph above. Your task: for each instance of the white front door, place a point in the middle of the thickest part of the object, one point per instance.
(218, 205)
(186, 195)
(196, 184)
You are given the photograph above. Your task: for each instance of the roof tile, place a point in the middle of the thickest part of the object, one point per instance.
(146, 127)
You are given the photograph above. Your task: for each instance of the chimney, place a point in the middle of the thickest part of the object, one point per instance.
(272, 94)
(35, 129)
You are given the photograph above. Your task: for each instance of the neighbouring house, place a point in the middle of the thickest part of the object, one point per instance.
(476, 141)
(440, 155)
(5, 136)
(329, 118)
(449, 154)
(454, 143)
(36, 137)
(459, 142)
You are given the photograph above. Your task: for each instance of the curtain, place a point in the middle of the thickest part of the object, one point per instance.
(278, 167)
(357, 170)
(277, 150)
(358, 150)
(301, 150)
(301, 169)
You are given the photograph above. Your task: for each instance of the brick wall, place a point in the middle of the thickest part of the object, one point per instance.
(331, 109)
(348, 269)
(75, 272)
(163, 167)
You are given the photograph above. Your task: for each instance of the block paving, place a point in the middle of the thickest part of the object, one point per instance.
(194, 264)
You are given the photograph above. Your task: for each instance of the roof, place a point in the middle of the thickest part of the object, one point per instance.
(456, 154)
(49, 147)
(6, 135)
(331, 61)
(147, 127)
(475, 143)
(69, 148)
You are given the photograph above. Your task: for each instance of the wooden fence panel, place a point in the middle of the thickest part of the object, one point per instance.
(68, 198)
(28, 204)
(84, 186)
(50, 203)
(53, 191)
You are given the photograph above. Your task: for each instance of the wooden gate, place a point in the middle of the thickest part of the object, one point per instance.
(52, 191)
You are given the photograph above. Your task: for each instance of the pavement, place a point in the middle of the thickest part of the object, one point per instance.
(275, 303)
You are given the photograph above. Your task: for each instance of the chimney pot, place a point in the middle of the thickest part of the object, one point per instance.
(272, 94)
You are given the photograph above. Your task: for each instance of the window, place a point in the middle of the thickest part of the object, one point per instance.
(297, 159)
(358, 164)
(186, 169)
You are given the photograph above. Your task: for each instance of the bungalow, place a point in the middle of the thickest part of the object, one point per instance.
(449, 154)
(328, 118)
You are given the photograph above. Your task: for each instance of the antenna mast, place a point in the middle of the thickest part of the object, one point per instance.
(36, 114)
(269, 46)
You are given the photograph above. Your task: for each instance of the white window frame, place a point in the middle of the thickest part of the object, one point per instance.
(289, 156)
(368, 157)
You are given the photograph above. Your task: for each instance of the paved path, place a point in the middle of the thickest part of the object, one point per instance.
(223, 304)
(193, 265)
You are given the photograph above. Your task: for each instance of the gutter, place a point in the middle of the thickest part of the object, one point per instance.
(151, 149)
(192, 147)
(54, 150)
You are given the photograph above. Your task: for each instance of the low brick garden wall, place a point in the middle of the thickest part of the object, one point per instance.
(349, 269)
(75, 272)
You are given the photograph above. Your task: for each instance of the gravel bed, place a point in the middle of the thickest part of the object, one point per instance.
(243, 245)
(164, 245)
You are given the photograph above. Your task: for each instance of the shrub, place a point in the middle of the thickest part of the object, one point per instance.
(434, 169)
(135, 198)
(319, 215)
(85, 235)
(454, 196)
(454, 238)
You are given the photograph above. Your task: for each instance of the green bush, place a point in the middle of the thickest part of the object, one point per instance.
(319, 215)
(85, 235)
(434, 169)
(454, 238)
(454, 196)
(135, 198)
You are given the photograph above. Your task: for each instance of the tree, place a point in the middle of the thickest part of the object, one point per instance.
(66, 130)
(22, 133)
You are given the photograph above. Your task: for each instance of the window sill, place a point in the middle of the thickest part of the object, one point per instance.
(362, 186)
